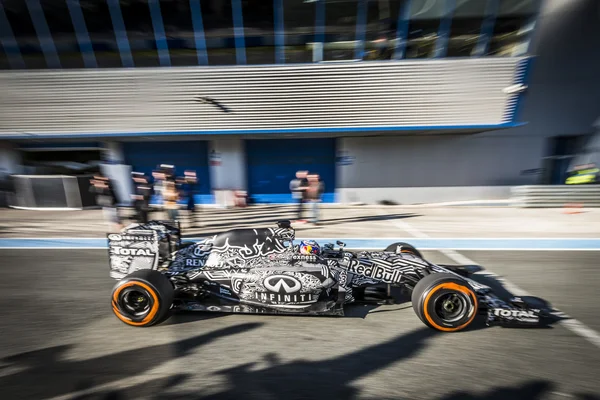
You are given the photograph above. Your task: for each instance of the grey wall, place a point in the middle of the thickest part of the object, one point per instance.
(452, 160)
(564, 90)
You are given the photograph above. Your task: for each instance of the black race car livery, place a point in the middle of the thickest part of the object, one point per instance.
(262, 271)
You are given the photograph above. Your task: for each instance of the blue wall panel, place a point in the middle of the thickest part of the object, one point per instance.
(145, 157)
(272, 164)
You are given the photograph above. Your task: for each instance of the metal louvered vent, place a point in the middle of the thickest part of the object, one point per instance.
(349, 95)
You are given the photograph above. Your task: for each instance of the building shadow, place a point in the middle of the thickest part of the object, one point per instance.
(272, 378)
(47, 373)
(332, 378)
(533, 390)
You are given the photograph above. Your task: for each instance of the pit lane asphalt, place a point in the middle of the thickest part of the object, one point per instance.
(59, 339)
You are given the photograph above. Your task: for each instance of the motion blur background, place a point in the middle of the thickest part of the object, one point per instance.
(392, 103)
(384, 99)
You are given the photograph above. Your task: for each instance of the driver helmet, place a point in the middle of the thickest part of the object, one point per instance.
(310, 247)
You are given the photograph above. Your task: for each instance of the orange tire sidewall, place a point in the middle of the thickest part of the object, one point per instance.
(452, 286)
(151, 314)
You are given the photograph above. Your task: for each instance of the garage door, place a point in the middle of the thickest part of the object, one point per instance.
(272, 164)
(193, 155)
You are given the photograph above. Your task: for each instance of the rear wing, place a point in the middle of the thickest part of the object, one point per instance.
(142, 246)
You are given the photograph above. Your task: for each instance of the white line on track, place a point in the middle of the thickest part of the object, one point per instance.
(570, 323)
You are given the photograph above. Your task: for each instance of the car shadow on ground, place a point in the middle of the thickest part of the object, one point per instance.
(185, 317)
(552, 315)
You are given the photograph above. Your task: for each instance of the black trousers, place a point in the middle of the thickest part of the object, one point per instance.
(141, 209)
(300, 207)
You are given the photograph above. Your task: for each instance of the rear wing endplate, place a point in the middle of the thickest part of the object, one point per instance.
(132, 251)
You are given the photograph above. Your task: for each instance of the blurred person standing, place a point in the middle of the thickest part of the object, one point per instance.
(168, 172)
(158, 185)
(170, 199)
(102, 188)
(298, 187)
(316, 187)
(190, 184)
(141, 198)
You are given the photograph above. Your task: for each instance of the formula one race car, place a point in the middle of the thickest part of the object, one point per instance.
(263, 271)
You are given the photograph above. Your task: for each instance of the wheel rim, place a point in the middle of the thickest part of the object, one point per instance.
(136, 302)
(451, 307)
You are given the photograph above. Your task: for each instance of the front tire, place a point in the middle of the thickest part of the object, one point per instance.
(143, 298)
(444, 302)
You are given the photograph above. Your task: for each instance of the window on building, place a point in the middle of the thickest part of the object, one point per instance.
(465, 30)
(179, 30)
(299, 19)
(381, 29)
(140, 32)
(61, 28)
(259, 36)
(340, 30)
(101, 32)
(21, 24)
(423, 27)
(217, 17)
(513, 27)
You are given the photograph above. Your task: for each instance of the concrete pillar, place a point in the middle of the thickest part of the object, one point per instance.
(227, 164)
(10, 159)
(113, 152)
(114, 167)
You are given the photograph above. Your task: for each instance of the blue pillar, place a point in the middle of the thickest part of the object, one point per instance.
(159, 33)
(43, 33)
(120, 33)
(487, 28)
(402, 30)
(441, 45)
(11, 47)
(238, 31)
(196, 11)
(319, 29)
(361, 22)
(279, 32)
(81, 32)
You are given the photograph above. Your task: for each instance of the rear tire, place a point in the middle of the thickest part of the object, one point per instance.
(444, 302)
(406, 248)
(143, 298)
